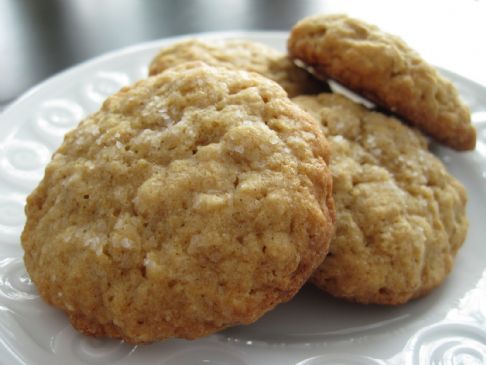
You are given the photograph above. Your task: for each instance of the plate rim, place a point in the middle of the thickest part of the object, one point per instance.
(137, 47)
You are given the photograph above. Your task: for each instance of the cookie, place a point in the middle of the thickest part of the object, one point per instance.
(400, 216)
(193, 200)
(244, 55)
(384, 69)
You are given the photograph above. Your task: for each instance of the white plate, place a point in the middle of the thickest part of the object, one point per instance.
(446, 327)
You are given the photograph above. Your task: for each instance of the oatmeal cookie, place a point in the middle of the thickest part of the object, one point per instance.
(244, 55)
(384, 69)
(400, 216)
(194, 200)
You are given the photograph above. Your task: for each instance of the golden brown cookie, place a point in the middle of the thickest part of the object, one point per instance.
(244, 55)
(400, 216)
(194, 200)
(384, 69)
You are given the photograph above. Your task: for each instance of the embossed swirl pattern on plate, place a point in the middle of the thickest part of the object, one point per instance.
(104, 84)
(448, 343)
(89, 350)
(22, 162)
(15, 283)
(55, 117)
(100, 351)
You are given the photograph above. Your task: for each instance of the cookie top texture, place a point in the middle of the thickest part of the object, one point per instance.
(400, 216)
(244, 55)
(385, 70)
(193, 200)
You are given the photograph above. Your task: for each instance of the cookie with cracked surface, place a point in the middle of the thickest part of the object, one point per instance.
(400, 216)
(244, 55)
(384, 69)
(194, 200)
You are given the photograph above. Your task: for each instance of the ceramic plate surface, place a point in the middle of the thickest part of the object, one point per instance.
(446, 327)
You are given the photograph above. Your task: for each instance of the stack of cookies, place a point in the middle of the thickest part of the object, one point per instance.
(210, 192)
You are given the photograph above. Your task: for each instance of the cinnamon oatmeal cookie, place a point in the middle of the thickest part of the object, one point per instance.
(193, 200)
(400, 216)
